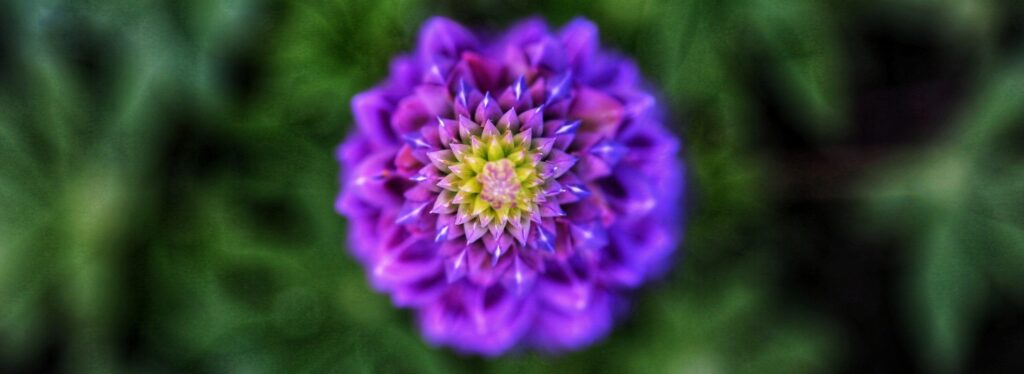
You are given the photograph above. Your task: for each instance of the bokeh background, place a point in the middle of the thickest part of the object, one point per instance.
(166, 186)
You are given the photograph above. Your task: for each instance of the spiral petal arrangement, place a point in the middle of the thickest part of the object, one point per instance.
(511, 190)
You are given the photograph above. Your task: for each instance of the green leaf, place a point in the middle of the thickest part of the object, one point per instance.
(801, 42)
(959, 206)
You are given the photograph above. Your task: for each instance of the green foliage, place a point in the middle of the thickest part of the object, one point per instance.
(963, 204)
(167, 182)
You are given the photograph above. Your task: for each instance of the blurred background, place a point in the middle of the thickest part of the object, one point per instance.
(166, 186)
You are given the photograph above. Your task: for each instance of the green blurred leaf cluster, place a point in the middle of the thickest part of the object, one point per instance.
(962, 201)
(167, 184)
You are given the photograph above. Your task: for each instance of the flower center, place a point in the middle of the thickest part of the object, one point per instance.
(492, 177)
(499, 184)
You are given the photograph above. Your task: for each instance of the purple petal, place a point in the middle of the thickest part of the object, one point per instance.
(545, 239)
(591, 235)
(442, 37)
(547, 54)
(372, 113)
(580, 39)
(609, 151)
(509, 121)
(411, 212)
(456, 267)
(598, 218)
(560, 88)
(520, 276)
(488, 110)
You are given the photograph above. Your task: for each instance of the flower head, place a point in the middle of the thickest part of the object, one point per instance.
(511, 190)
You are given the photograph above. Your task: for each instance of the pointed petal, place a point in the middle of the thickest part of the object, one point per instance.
(410, 211)
(552, 187)
(479, 206)
(545, 239)
(609, 150)
(544, 145)
(460, 151)
(474, 231)
(467, 128)
(519, 88)
(551, 209)
(415, 140)
(509, 121)
(567, 127)
(532, 120)
(455, 267)
(442, 234)
(435, 75)
(443, 203)
(489, 132)
(560, 162)
(560, 89)
(497, 227)
(462, 197)
(488, 110)
(475, 163)
(441, 159)
(523, 139)
(520, 276)
(589, 235)
(446, 130)
(494, 150)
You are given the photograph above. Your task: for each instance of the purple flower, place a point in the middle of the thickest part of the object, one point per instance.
(511, 189)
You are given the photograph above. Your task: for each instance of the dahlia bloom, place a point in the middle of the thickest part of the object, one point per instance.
(510, 189)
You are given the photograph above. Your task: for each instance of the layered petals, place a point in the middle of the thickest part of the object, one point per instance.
(511, 189)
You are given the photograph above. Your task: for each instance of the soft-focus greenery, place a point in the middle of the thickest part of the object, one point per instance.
(167, 177)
